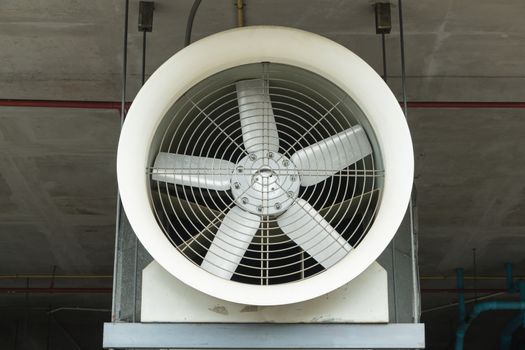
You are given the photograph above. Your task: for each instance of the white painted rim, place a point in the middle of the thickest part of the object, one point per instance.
(252, 45)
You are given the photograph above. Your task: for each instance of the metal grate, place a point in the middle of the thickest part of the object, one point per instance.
(265, 174)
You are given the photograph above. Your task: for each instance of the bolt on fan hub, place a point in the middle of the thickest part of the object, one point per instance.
(265, 183)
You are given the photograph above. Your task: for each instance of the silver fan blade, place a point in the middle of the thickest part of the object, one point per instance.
(230, 243)
(307, 228)
(323, 159)
(259, 131)
(348, 208)
(210, 173)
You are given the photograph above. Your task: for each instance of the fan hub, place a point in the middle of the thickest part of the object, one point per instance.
(265, 183)
(265, 172)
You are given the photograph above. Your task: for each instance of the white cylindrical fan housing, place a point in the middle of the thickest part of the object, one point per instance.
(276, 45)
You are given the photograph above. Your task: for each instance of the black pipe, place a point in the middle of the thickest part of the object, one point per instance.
(383, 46)
(143, 57)
(124, 64)
(189, 24)
(402, 47)
(122, 116)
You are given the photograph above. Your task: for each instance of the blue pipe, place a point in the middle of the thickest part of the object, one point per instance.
(517, 322)
(464, 323)
(482, 307)
(508, 331)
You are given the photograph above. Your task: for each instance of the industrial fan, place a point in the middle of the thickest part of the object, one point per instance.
(265, 165)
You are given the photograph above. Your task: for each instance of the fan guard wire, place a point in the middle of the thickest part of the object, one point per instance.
(205, 122)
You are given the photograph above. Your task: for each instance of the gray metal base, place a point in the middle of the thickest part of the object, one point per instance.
(264, 336)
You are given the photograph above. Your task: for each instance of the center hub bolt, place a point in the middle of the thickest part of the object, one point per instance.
(265, 183)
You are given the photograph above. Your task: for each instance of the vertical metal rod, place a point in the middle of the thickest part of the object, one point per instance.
(415, 288)
(383, 47)
(114, 313)
(143, 57)
(135, 271)
(189, 24)
(135, 239)
(124, 64)
(402, 49)
(416, 305)
(240, 12)
(267, 252)
(394, 284)
(262, 250)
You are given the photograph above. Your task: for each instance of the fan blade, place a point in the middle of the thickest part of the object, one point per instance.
(259, 131)
(350, 206)
(307, 228)
(210, 173)
(323, 159)
(230, 243)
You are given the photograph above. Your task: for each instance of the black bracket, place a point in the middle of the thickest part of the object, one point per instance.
(146, 16)
(383, 18)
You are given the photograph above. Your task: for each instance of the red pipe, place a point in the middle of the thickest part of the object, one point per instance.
(466, 105)
(63, 104)
(116, 105)
(55, 290)
(465, 290)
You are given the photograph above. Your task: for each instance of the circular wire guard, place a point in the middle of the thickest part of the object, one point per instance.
(265, 174)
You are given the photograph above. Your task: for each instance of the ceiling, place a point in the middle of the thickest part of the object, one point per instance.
(57, 166)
